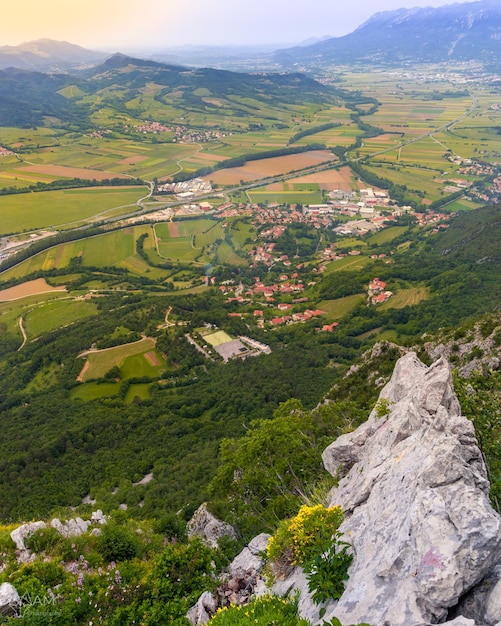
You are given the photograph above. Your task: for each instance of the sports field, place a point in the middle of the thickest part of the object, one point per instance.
(218, 338)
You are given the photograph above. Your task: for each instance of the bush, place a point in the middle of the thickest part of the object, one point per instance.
(265, 611)
(302, 538)
(44, 540)
(117, 543)
(313, 541)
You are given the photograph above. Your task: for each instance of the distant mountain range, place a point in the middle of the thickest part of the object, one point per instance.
(46, 54)
(456, 32)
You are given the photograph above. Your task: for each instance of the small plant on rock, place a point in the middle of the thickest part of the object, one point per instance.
(313, 541)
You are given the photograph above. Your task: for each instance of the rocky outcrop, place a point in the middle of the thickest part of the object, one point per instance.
(415, 495)
(21, 533)
(9, 600)
(71, 528)
(237, 585)
(205, 525)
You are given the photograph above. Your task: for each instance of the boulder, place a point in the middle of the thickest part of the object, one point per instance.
(98, 517)
(19, 534)
(10, 601)
(415, 496)
(71, 528)
(203, 610)
(205, 525)
(249, 562)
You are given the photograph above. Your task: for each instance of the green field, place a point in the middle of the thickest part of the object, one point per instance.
(10, 312)
(92, 391)
(115, 248)
(54, 315)
(139, 390)
(406, 297)
(101, 361)
(350, 263)
(31, 211)
(336, 309)
(194, 238)
(386, 235)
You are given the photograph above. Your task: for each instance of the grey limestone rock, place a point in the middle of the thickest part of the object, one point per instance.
(208, 527)
(202, 611)
(9, 600)
(415, 496)
(249, 561)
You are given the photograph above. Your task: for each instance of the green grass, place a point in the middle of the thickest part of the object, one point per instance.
(347, 263)
(406, 297)
(115, 248)
(226, 255)
(31, 211)
(136, 366)
(54, 315)
(102, 361)
(336, 309)
(92, 391)
(461, 205)
(386, 235)
(139, 390)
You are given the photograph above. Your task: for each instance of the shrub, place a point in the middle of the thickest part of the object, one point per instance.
(265, 611)
(313, 541)
(44, 540)
(302, 538)
(117, 543)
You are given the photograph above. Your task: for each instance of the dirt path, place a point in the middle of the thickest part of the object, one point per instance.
(21, 328)
(94, 350)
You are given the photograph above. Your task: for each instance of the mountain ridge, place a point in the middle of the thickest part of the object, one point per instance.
(456, 32)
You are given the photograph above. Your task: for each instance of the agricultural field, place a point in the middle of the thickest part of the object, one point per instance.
(11, 312)
(351, 263)
(336, 309)
(185, 240)
(406, 297)
(255, 170)
(64, 208)
(285, 197)
(134, 359)
(339, 178)
(117, 248)
(30, 288)
(386, 235)
(425, 181)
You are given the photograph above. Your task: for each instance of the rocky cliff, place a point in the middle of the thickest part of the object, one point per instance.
(415, 495)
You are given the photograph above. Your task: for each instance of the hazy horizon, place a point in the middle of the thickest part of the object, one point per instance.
(157, 24)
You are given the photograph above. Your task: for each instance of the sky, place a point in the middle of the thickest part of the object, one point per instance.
(122, 25)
